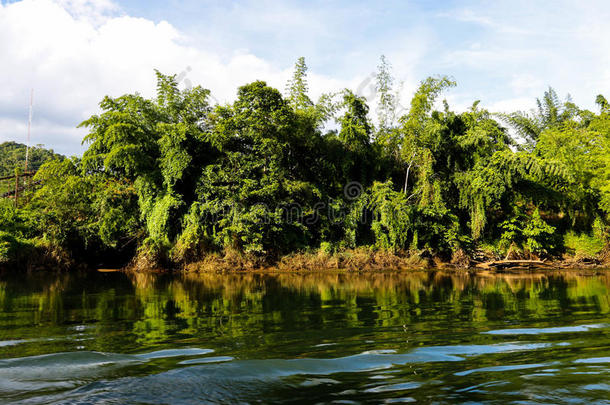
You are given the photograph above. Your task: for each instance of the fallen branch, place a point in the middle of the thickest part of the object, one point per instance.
(502, 264)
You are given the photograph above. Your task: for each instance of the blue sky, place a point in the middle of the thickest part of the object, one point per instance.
(504, 53)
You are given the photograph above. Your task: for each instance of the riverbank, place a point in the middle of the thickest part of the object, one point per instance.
(362, 259)
(365, 259)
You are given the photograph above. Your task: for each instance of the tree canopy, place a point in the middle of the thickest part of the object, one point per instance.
(171, 179)
(12, 156)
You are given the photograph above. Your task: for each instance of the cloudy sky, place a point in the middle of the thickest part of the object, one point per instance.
(504, 53)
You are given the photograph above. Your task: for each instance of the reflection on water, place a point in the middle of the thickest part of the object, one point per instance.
(313, 337)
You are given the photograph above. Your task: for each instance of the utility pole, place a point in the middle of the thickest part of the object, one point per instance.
(27, 147)
(16, 188)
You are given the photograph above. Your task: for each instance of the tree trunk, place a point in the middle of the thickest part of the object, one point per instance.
(407, 178)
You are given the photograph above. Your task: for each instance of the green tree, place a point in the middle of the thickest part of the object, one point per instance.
(297, 87)
(160, 146)
(550, 112)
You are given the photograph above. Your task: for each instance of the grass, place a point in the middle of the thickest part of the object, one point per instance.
(583, 245)
(358, 259)
(29, 254)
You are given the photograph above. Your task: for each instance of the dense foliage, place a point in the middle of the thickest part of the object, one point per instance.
(12, 155)
(171, 179)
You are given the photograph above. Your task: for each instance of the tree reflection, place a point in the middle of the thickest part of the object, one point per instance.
(269, 313)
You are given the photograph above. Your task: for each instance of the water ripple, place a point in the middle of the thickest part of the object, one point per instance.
(541, 331)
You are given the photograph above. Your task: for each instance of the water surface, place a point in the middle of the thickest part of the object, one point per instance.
(306, 338)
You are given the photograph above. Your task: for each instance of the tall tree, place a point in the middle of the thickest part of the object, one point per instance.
(550, 112)
(387, 100)
(160, 145)
(415, 123)
(297, 87)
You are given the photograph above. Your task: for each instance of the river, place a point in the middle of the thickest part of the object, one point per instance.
(321, 337)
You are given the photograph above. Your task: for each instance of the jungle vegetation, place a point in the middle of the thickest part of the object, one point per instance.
(12, 156)
(173, 179)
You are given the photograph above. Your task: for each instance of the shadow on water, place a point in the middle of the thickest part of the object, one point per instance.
(313, 337)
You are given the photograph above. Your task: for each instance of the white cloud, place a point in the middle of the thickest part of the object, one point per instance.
(73, 53)
(93, 11)
(469, 16)
(519, 48)
(512, 104)
(55, 136)
(526, 83)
